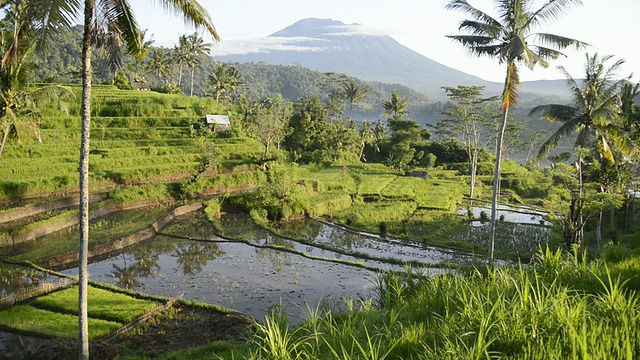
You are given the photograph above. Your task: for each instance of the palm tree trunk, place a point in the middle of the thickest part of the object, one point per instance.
(192, 70)
(5, 135)
(474, 171)
(83, 283)
(496, 182)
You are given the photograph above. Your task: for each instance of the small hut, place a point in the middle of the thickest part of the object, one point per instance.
(219, 123)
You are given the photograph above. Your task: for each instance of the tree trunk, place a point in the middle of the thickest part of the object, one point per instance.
(83, 283)
(192, 70)
(5, 134)
(474, 171)
(599, 229)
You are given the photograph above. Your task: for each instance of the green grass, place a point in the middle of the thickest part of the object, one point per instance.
(31, 320)
(102, 304)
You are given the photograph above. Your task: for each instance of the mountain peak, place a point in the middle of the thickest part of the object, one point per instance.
(311, 27)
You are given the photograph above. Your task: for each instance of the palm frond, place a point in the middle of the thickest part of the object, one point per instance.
(479, 28)
(510, 91)
(117, 24)
(194, 14)
(552, 142)
(52, 17)
(554, 112)
(557, 41)
(552, 10)
(464, 7)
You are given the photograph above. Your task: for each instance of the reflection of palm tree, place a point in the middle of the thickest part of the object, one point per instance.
(192, 257)
(127, 276)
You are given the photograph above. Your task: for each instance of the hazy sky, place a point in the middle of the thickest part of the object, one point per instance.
(611, 27)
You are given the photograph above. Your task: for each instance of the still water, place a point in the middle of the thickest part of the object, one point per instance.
(257, 269)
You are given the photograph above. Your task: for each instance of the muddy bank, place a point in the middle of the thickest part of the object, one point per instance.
(68, 221)
(70, 259)
(35, 209)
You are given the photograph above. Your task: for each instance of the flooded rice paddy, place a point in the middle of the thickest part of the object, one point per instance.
(233, 263)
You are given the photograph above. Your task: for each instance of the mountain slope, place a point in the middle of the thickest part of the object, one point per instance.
(332, 46)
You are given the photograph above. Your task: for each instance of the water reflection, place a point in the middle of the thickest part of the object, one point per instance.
(192, 257)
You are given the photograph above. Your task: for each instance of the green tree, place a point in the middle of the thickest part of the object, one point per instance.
(224, 80)
(467, 120)
(354, 91)
(397, 105)
(593, 116)
(159, 64)
(510, 38)
(198, 51)
(270, 122)
(21, 29)
(180, 54)
(308, 130)
(405, 136)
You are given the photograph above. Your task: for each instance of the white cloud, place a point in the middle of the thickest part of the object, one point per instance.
(266, 44)
(356, 29)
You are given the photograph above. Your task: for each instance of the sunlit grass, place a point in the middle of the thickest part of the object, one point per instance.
(103, 304)
(28, 319)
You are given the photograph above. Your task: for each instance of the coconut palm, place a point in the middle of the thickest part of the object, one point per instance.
(354, 91)
(198, 51)
(224, 80)
(116, 18)
(19, 108)
(594, 115)
(510, 38)
(180, 54)
(159, 64)
(397, 105)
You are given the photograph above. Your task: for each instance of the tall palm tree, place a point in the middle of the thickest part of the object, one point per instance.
(511, 40)
(594, 116)
(354, 91)
(181, 54)
(198, 51)
(397, 105)
(116, 17)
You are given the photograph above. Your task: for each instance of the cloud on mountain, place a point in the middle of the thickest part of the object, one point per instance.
(267, 45)
(354, 29)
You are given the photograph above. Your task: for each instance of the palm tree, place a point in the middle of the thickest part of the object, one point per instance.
(594, 116)
(198, 50)
(512, 41)
(224, 80)
(395, 106)
(181, 55)
(19, 108)
(117, 18)
(354, 91)
(159, 64)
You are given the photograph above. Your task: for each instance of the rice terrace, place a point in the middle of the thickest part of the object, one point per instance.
(159, 202)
